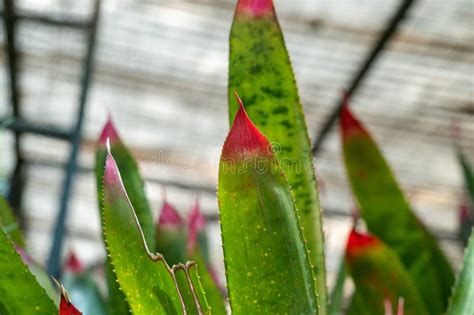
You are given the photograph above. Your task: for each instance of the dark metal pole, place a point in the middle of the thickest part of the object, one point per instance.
(59, 231)
(18, 125)
(390, 30)
(17, 176)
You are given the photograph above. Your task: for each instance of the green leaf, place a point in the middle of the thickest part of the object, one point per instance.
(9, 224)
(201, 295)
(187, 284)
(132, 181)
(381, 201)
(461, 301)
(134, 185)
(42, 277)
(267, 266)
(213, 295)
(260, 70)
(20, 293)
(146, 279)
(196, 249)
(379, 275)
(337, 293)
(116, 304)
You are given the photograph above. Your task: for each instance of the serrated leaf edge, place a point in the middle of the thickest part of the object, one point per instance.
(155, 257)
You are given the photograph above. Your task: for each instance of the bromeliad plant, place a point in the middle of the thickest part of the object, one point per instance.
(269, 214)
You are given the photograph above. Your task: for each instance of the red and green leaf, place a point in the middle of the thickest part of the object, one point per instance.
(379, 276)
(267, 264)
(260, 70)
(381, 200)
(171, 234)
(66, 307)
(117, 303)
(148, 282)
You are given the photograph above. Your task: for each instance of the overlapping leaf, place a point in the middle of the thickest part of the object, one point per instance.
(134, 186)
(379, 276)
(260, 70)
(381, 201)
(267, 264)
(196, 249)
(146, 279)
(171, 242)
(20, 293)
(171, 234)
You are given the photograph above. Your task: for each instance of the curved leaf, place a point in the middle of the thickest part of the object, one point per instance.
(380, 201)
(191, 289)
(267, 266)
(132, 181)
(20, 293)
(134, 185)
(379, 276)
(213, 295)
(462, 299)
(146, 279)
(260, 70)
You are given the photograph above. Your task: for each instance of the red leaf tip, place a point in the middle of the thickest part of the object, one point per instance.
(111, 172)
(244, 138)
(73, 264)
(65, 305)
(169, 216)
(359, 241)
(255, 8)
(109, 132)
(196, 223)
(349, 124)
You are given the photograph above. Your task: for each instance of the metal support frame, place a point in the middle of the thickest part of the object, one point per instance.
(17, 176)
(18, 125)
(59, 230)
(374, 53)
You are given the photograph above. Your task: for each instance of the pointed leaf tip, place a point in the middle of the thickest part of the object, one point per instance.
(255, 8)
(109, 132)
(244, 138)
(111, 172)
(348, 122)
(358, 241)
(169, 215)
(65, 305)
(73, 264)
